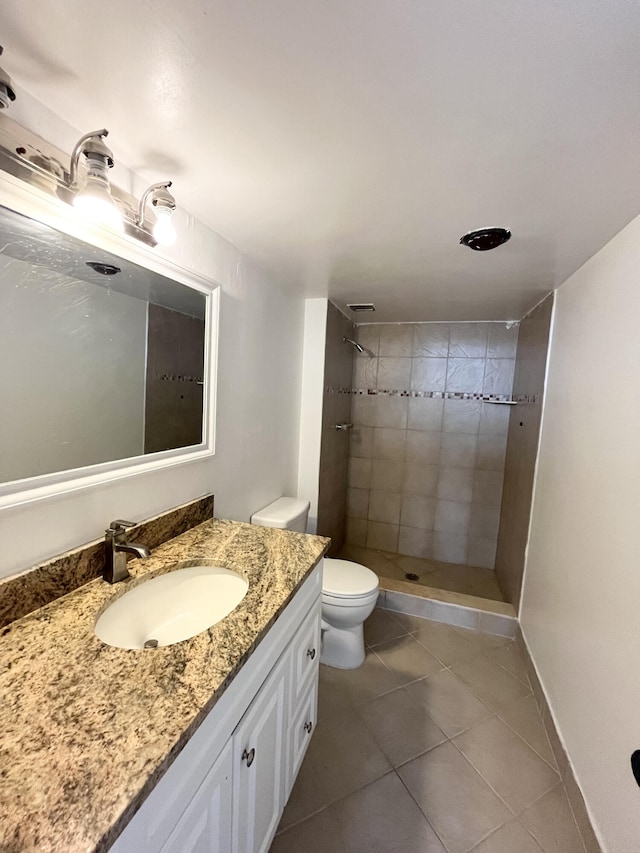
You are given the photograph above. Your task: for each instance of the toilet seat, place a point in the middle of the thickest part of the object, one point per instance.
(344, 580)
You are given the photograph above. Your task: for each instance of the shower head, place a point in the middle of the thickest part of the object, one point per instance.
(353, 343)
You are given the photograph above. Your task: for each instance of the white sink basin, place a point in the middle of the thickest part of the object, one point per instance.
(171, 607)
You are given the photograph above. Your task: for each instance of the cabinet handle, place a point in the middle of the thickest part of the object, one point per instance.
(311, 653)
(249, 756)
(308, 726)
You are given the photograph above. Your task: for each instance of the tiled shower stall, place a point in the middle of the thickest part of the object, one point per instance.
(440, 461)
(426, 462)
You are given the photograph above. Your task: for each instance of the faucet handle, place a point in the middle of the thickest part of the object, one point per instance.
(119, 525)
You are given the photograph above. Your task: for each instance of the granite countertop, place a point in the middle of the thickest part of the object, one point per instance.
(87, 730)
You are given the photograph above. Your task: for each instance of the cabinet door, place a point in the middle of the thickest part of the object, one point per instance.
(205, 826)
(302, 727)
(260, 760)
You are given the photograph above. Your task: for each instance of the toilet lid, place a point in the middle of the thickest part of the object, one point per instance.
(344, 579)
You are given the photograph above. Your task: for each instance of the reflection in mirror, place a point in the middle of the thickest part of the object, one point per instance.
(100, 359)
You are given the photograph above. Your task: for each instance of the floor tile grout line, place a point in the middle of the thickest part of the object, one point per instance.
(441, 840)
(516, 732)
(506, 823)
(500, 797)
(564, 790)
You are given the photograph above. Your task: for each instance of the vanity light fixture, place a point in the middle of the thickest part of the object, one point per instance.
(164, 204)
(83, 181)
(7, 90)
(94, 199)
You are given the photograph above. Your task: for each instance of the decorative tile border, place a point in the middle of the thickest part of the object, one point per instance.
(23, 593)
(436, 395)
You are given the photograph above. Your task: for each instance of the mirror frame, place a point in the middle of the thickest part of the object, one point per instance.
(36, 204)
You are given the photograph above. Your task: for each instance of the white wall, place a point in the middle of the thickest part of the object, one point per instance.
(259, 376)
(72, 372)
(315, 332)
(580, 610)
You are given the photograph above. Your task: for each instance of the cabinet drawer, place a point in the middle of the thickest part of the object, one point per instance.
(302, 726)
(305, 650)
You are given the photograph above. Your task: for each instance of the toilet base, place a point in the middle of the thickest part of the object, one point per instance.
(342, 647)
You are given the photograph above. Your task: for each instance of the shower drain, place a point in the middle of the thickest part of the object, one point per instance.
(410, 576)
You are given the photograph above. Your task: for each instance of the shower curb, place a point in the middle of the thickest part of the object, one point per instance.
(452, 608)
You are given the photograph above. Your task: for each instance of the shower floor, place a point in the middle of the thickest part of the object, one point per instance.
(469, 580)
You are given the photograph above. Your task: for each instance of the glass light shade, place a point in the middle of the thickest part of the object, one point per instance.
(94, 200)
(164, 231)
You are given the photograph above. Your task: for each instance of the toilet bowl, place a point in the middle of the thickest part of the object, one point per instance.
(349, 590)
(349, 595)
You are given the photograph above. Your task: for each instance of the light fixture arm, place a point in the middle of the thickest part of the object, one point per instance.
(156, 193)
(79, 148)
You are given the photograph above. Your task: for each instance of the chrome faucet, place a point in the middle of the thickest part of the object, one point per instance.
(116, 550)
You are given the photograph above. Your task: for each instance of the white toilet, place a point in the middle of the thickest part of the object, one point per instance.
(349, 590)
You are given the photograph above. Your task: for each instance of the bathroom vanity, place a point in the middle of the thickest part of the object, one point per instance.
(189, 747)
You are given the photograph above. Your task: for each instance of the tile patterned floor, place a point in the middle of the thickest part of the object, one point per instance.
(434, 745)
(469, 580)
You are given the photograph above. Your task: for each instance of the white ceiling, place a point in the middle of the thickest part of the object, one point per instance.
(348, 144)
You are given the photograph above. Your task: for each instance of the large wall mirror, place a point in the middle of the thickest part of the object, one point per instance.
(106, 357)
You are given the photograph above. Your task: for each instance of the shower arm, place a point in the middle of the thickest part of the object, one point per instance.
(353, 344)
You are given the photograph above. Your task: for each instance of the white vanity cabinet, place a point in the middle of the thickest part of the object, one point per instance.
(226, 791)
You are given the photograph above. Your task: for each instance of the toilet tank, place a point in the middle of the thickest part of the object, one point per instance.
(286, 513)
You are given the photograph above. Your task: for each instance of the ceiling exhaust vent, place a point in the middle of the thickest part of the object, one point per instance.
(485, 239)
(361, 306)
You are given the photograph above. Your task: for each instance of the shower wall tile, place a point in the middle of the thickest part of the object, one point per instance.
(393, 373)
(358, 503)
(428, 374)
(361, 443)
(461, 416)
(431, 467)
(415, 542)
(491, 452)
(503, 342)
(363, 411)
(384, 506)
(417, 511)
(335, 446)
(365, 372)
(368, 336)
(396, 340)
(458, 450)
(425, 413)
(522, 446)
(382, 537)
(386, 474)
(456, 484)
(431, 339)
(422, 447)
(494, 419)
(468, 340)
(389, 444)
(359, 473)
(391, 412)
(481, 552)
(356, 531)
(484, 520)
(487, 487)
(420, 479)
(449, 548)
(452, 517)
(465, 375)
(498, 376)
